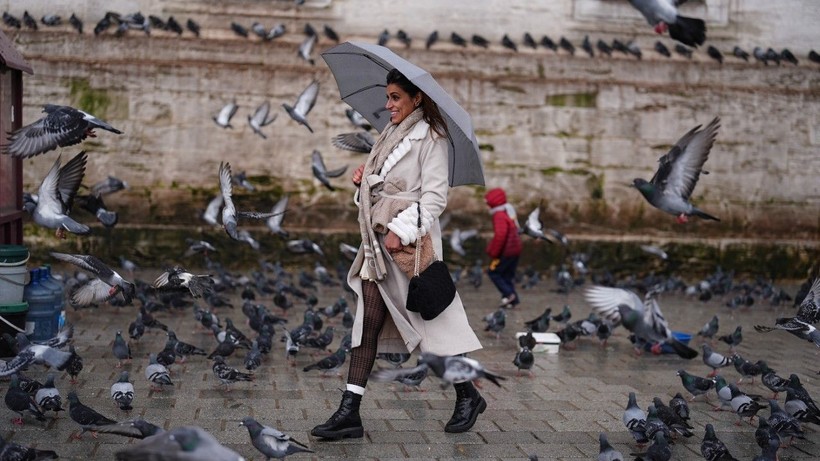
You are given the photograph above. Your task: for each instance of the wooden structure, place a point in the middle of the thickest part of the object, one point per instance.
(12, 66)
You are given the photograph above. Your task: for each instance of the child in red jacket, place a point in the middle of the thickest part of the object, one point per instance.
(504, 248)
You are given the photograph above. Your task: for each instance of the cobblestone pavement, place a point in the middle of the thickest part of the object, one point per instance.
(556, 414)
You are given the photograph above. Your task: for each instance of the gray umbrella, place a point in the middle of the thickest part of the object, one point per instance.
(360, 70)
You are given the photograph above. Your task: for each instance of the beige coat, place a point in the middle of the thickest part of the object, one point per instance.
(424, 171)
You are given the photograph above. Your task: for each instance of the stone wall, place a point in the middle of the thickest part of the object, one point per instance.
(561, 132)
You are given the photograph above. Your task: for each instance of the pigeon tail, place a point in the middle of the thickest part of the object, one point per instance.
(682, 349)
(689, 31)
(74, 227)
(703, 215)
(493, 378)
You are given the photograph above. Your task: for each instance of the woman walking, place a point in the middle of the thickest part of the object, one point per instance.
(407, 167)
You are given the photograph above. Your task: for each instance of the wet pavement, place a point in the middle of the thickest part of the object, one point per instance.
(555, 414)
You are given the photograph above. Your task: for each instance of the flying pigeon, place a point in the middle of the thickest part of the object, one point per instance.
(229, 213)
(177, 277)
(55, 197)
(357, 119)
(458, 237)
(187, 443)
(271, 442)
(261, 118)
(321, 173)
(533, 226)
(456, 369)
(307, 47)
(359, 141)
(223, 118)
(304, 103)
(620, 306)
(29, 354)
(63, 126)
(122, 392)
(107, 284)
(672, 185)
(663, 15)
(108, 185)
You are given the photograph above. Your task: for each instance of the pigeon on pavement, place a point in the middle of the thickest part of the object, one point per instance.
(524, 360)
(678, 173)
(663, 15)
(714, 360)
(541, 323)
(85, 416)
(48, 397)
(606, 451)
(157, 374)
(271, 442)
(695, 384)
(62, 126)
(18, 401)
(304, 103)
(712, 448)
(710, 329)
(134, 428)
(228, 375)
(331, 363)
(620, 306)
(122, 392)
(742, 404)
(733, 339)
(10, 451)
(120, 349)
(784, 424)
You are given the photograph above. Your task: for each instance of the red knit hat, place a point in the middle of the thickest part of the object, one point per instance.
(495, 197)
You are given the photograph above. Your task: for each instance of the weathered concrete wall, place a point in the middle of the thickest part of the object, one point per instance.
(564, 132)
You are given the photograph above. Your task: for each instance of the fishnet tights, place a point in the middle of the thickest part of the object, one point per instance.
(363, 357)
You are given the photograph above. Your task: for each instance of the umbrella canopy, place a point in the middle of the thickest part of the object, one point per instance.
(361, 70)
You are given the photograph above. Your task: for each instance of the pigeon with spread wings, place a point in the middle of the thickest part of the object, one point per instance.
(678, 173)
(55, 197)
(62, 126)
(645, 321)
(229, 213)
(106, 286)
(320, 170)
(304, 103)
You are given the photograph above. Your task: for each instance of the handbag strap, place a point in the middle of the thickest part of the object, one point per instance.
(418, 243)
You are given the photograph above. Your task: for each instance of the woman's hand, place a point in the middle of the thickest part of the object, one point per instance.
(392, 242)
(357, 175)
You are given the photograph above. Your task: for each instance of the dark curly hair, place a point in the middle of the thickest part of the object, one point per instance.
(430, 112)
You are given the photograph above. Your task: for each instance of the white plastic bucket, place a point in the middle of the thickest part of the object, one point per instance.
(12, 282)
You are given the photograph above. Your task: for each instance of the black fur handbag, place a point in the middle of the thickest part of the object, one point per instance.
(432, 290)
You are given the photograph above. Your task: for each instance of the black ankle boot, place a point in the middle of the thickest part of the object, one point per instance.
(346, 422)
(469, 403)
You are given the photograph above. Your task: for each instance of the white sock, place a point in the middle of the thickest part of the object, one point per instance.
(355, 389)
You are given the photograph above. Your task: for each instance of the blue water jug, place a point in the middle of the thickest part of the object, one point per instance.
(57, 288)
(40, 318)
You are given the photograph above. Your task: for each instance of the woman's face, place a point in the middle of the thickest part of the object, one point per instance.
(399, 103)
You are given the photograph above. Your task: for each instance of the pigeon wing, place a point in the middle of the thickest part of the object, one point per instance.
(605, 302)
(654, 319)
(49, 193)
(63, 126)
(687, 164)
(360, 141)
(275, 221)
(809, 310)
(336, 173)
(306, 100)
(70, 177)
(92, 292)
